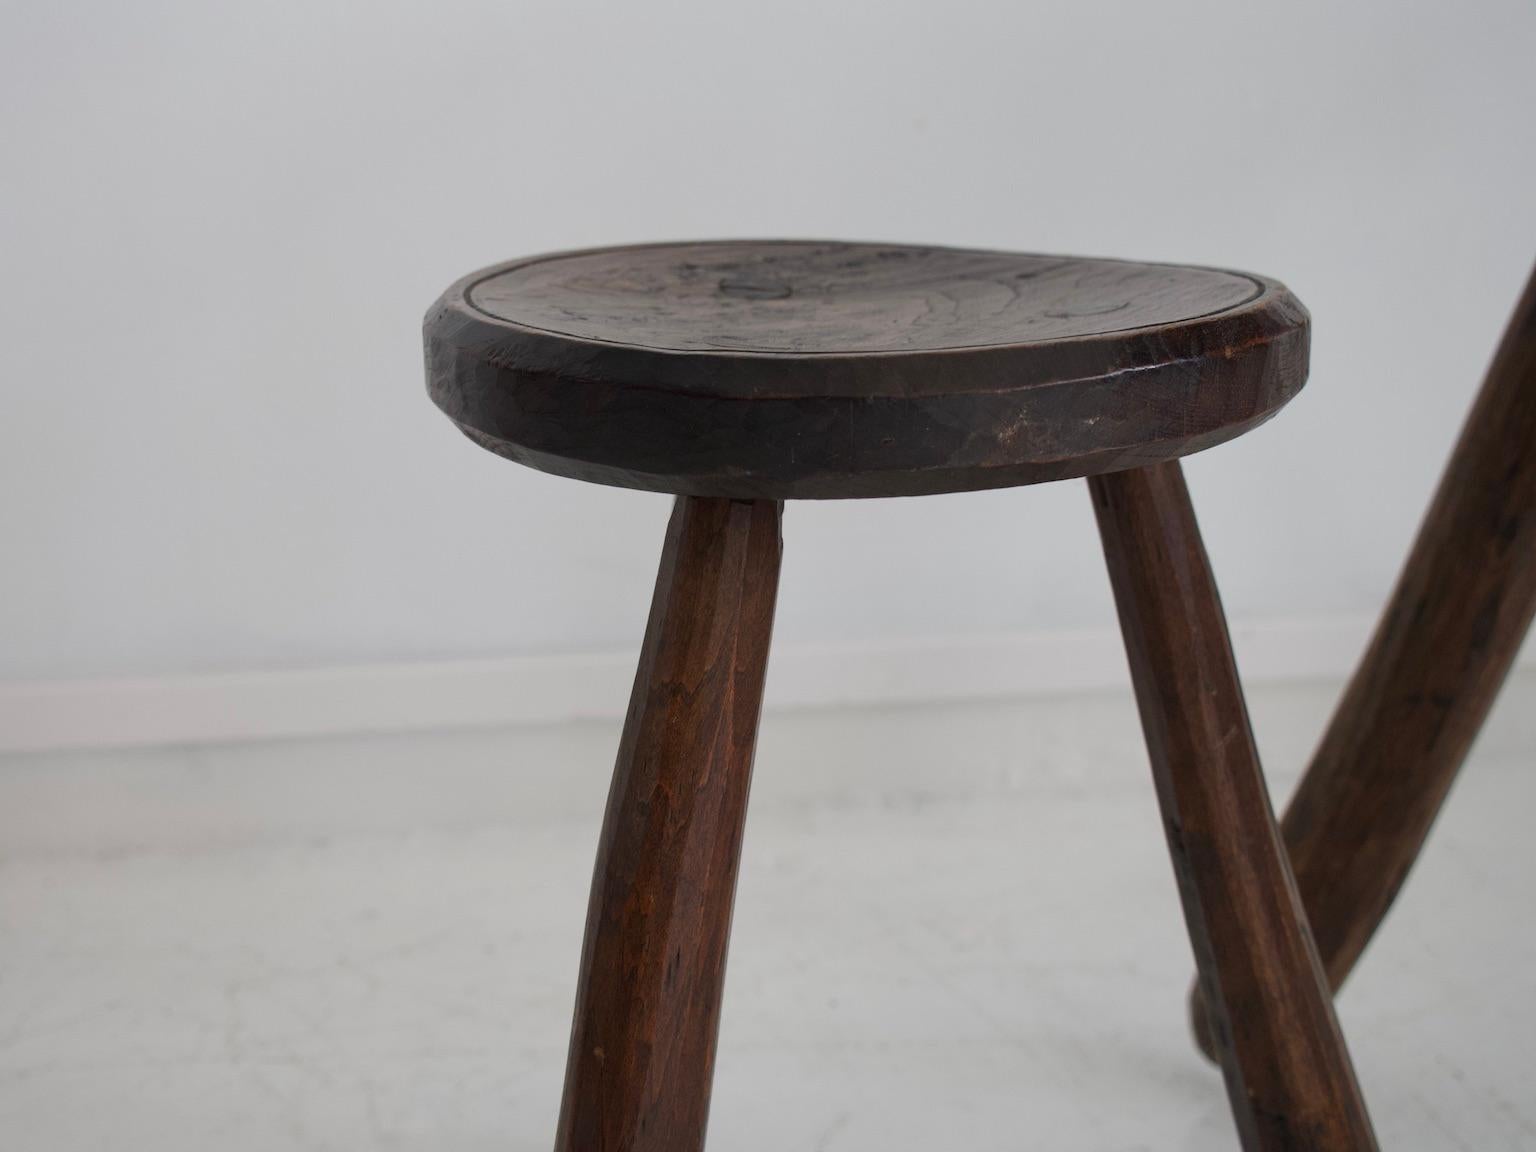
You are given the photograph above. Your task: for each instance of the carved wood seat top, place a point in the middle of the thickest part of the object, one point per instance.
(794, 369)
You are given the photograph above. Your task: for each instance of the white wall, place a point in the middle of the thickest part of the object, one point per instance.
(220, 225)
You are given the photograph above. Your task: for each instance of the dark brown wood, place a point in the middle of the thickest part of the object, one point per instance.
(780, 369)
(1288, 1073)
(1440, 653)
(653, 963)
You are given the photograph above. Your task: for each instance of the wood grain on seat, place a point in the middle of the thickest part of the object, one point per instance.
(788, 369)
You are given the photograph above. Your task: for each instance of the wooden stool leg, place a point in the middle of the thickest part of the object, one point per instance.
(1288, 1073)
(1433, 669)
(653, 963)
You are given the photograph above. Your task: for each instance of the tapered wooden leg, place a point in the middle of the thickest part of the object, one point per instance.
(653, 964)
(1288, 1073)
(1443, 647)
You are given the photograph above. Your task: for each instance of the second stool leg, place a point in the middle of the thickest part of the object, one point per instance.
(1289, 1077)
(653, 964)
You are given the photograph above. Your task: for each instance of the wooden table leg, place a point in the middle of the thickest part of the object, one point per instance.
(1441, 652)
(1288, 1073)
(653, 963)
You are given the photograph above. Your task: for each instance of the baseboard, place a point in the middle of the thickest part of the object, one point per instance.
(546, 689)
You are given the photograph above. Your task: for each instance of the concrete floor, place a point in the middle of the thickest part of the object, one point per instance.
(956, 928)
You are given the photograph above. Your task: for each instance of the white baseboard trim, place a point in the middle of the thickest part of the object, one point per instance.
(239, 706)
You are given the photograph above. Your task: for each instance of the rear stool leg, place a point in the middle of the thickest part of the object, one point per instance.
(653, 963)
(1288, 1073)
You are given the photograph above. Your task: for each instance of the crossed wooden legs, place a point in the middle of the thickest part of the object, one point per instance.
(1445, 643)
(647, 1010)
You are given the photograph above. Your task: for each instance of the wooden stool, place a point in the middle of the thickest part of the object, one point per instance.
(740, 375)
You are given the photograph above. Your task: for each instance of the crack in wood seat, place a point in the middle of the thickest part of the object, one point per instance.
(797, 369)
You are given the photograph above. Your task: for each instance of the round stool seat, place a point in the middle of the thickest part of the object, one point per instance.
(794, 369)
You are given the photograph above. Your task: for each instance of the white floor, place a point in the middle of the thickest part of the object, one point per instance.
(956, 928)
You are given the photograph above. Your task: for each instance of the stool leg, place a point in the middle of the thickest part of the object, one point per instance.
(1446, 641)
(653, 962)
(1288, 1073)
